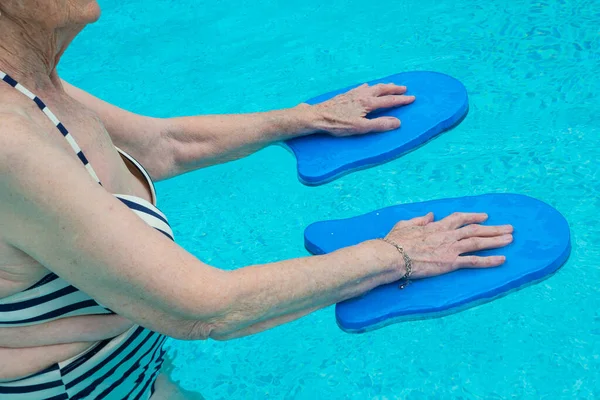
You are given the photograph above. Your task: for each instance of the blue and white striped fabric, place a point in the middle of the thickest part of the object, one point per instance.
(55, 121)
(121, 368)
(124, 367)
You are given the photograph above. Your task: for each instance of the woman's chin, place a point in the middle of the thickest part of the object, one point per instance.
(93, 11)
(90, 12)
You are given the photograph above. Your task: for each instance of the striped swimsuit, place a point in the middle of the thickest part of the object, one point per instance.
(124, 367)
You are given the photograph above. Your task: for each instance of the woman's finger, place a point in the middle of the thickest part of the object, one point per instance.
(418, 221)
(479, 262)
(459, 219)
(381, 124)
(482, 243)
(422, 221)
(475, 230)
(360, 87)
(385, 89)
(391, 101)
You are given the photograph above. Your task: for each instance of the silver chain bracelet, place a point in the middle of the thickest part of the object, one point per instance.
(405, 280)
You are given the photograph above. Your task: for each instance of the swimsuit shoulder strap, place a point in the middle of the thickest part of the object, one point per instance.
(61, 128)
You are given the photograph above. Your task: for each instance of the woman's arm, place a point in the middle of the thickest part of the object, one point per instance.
(54, 212)
(173, 146)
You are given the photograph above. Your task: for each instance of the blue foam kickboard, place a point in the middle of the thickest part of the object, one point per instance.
(441, 102)
(541, 245)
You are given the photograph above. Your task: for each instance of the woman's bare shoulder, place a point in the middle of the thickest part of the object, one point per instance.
(15, 114)
(19, 130)
(17, 135)
(14, 103)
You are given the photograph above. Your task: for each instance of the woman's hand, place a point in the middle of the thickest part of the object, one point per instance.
(345, 114)
(435, 248)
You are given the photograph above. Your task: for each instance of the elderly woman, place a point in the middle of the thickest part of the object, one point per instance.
(91, 282)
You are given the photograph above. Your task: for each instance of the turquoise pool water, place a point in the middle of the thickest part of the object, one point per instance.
(532, 69)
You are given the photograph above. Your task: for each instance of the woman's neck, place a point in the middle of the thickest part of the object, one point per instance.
(30, 54)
